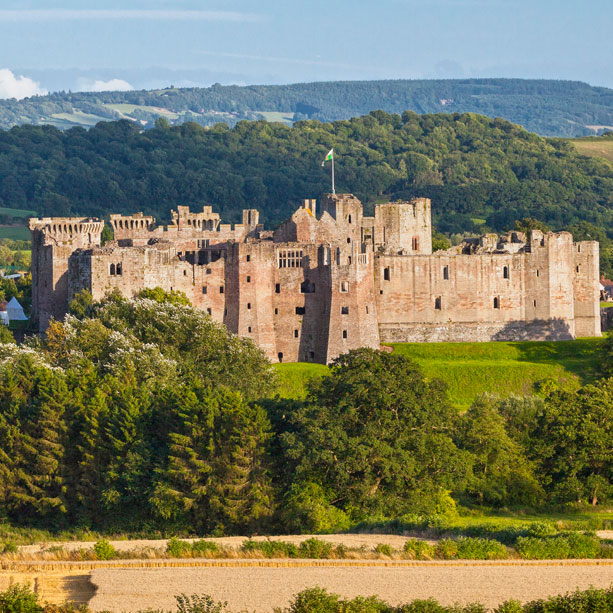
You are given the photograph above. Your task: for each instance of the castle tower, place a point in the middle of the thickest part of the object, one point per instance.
(53, 242)
(404, 227)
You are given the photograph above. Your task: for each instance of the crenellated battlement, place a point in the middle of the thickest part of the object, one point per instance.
(75, 230)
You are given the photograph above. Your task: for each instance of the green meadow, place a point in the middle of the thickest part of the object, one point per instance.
(594, 146)
(471, 369)
(15, 232)
(16, 212)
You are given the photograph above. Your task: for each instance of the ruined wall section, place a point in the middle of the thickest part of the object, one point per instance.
(53, 242)
(586, 288)
(526, 295)
(403, 227)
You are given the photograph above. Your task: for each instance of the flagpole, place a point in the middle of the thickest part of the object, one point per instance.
(333, 191)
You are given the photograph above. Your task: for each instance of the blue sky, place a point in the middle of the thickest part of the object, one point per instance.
(76, 45)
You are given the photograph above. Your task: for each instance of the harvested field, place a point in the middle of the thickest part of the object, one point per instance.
(263, 587)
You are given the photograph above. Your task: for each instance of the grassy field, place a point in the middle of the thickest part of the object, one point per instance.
(276, 116)
(594, 146)
(16, 212)
(294, 377)
(470, 369)
(128, 109)
(15, 232)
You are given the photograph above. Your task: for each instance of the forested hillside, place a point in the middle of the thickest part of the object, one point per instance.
(480, 173)
(550, 108)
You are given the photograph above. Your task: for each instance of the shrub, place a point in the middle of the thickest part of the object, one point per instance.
(384, 549)
(542, 528)
(447, 549)
(590, 600)
(314, 600)
(510, 606)
(199, 604)
(104, 550)
(315, 549)
(9, 547)
(419, 550)
(203, 547)
(481, 549)
(19, 599)
(177, 548)
(605, 550)
(272, 549)
(558, 547)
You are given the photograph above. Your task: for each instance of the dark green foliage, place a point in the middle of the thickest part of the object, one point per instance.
(569, 438)
(372, 443)
(471, 166)
(501, 472)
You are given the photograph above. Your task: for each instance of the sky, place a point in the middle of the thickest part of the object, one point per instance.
(134, 44)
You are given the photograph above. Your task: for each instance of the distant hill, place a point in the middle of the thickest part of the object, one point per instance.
(549, 108)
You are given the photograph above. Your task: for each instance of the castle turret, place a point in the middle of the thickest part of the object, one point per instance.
(53, 241)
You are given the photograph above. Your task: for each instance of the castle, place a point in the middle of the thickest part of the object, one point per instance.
(320, 285)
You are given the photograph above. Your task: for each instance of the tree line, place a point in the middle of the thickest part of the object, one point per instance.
(144, 414)
(481, 174)
(547, 107)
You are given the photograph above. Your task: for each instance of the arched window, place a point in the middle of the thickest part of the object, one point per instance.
(112, 270)
(505, 272)
(119, 269)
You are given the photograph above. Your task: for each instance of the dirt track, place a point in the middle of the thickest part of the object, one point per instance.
(261, 589)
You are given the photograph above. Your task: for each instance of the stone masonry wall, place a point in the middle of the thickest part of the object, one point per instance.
(319, 286)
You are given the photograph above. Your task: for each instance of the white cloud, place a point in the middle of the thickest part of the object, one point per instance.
(117, 85)
(19, 87)
(149, 14)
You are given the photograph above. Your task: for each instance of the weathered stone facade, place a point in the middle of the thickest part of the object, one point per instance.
(319, 286)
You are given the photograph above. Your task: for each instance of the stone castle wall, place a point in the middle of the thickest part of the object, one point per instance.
(321, 285)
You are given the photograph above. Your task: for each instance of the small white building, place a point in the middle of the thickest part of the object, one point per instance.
(14, 310)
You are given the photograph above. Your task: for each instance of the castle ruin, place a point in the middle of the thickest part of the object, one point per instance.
(320, 285)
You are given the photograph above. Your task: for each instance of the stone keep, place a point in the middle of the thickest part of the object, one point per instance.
(321, 285)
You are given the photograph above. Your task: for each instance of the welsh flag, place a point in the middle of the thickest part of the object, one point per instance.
(329, 156)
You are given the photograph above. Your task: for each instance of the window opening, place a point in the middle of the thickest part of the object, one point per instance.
(299, 310)
(437, 303)
(344, 333)
(344, 310)
(446, 273)
(496, 303)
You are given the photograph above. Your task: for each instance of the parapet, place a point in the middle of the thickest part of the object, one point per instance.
(67, 229)
(184, 218)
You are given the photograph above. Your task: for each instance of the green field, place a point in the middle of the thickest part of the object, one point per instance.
(470, 369)
(128, 109)
(594, 146)
(277, 116)
(16, 212)
(15, 232)
(293, 377)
